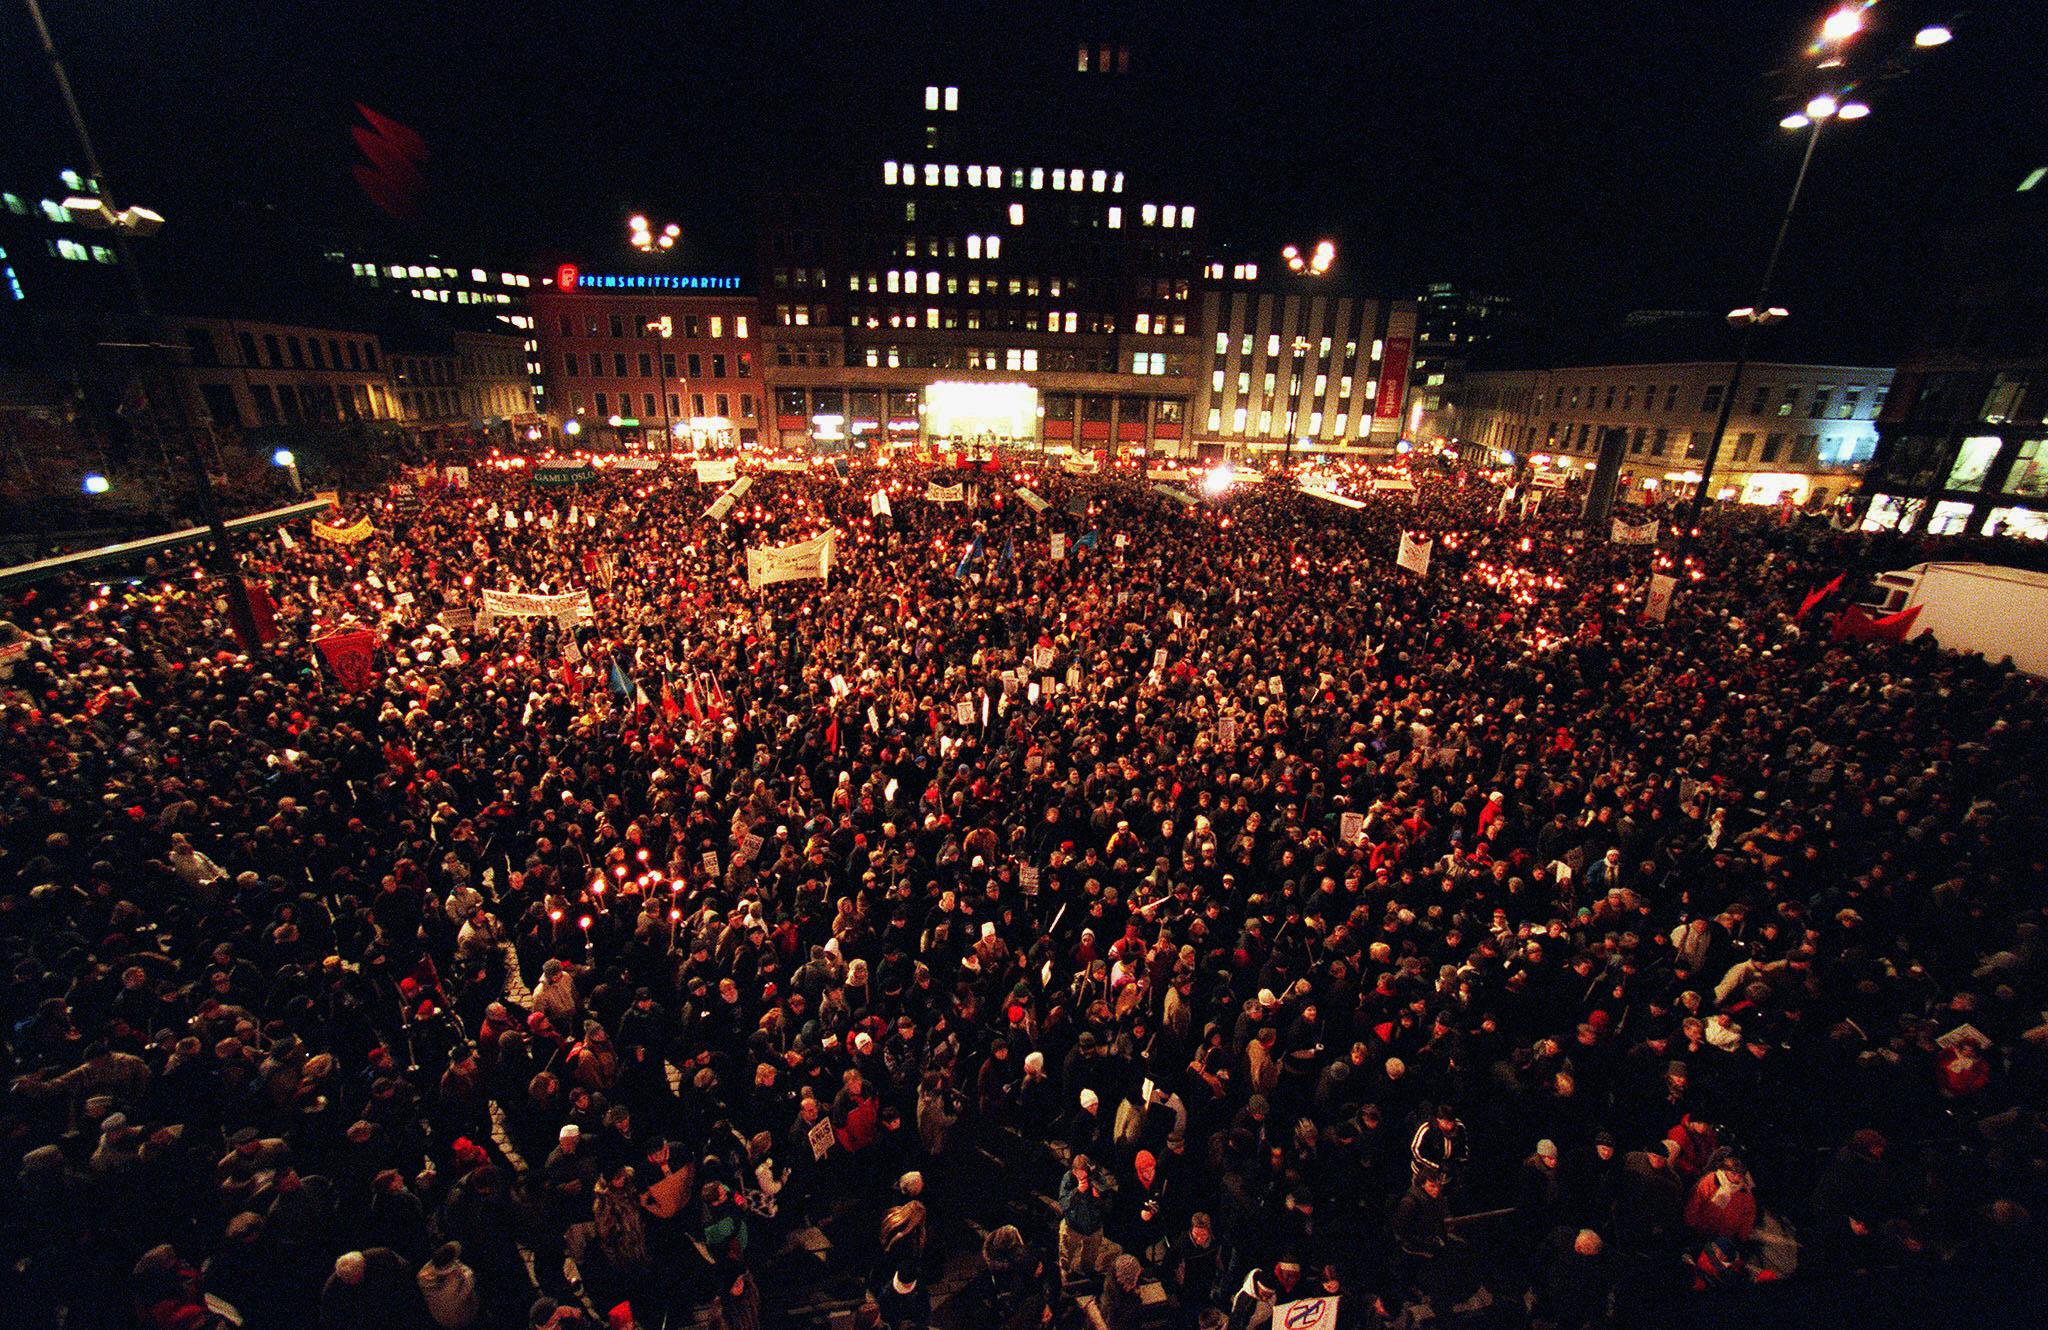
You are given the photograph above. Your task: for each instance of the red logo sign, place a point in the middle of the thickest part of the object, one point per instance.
(566, 277)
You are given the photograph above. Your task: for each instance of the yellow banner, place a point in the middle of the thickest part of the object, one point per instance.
(358, 530)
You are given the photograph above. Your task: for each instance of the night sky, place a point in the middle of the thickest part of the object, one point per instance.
(1588, 157)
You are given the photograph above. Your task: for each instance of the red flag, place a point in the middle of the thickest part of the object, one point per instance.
(1816, 597)
(719, 706)
(263, 610)
(572, 678)
(669, 708)
(351, 655)
(691, 706)
(832, 734)
(1856, 624)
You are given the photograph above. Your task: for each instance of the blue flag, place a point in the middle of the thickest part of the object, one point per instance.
(620, 683)
(968, 559)
(1009, 554)
(1089, 541)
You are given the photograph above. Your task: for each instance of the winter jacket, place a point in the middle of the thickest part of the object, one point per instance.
(450, 1293)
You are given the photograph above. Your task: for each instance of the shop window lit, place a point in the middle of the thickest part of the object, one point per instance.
(1949, 518)
(2029, 475)
(2022, 523)
(1973, 463)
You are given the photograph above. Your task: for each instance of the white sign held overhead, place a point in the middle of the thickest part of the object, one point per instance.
(878, 503)
(1414, 554)
(717, 471)
(790, 563)
(1659, 603)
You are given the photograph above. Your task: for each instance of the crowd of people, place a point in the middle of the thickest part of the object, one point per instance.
(1080, 907)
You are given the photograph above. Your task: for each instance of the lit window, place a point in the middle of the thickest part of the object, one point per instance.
(1342, 423)
(1377, 347)
(1322, 384)
(415, 271)
(1098, 181)
(435, 273)
(973, 177)
(1149, 213)
(1013, 359)
(1266, 421)
(974, 247)
(1168, 218)
(1143, 324)
(1251, 272)
(1216, 380)
(931, 283)
(1016, 214)
(739, 325)
(1116, 185)
(895, 281)
(931, 174)
(1071, 317)
(1372, 389)
(506, 279)
(1031, 358)
(1187, 217)
(1344, 387)
(931, 99)
(1038, 177)
(952, 99)
(718, 325)
(14, 204)
(1215, 419)
(993, 175)
(55, 211)
(994, 247)
(1222, 344)
(1116, 219)
(1272, 344)
(479, 276)
(1059, 178)
(952, 177)
(1237, 419)
(888, 173)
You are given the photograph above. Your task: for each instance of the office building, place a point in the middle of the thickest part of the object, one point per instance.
(1452, 327)
(251, 373)
(1963, 446)
(1806, 431)
(1286, 366)
(635, 357)
(960, 283)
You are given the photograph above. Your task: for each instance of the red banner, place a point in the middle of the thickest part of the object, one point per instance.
(351, 655)
(1393, 379)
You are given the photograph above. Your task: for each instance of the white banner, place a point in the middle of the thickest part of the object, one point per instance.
(788, 466)
(574, 605)
(1306, 1314)
(1659, 603)
(457, 476)
(878, 503)
(1031, 500)
(1079, 466)
(1398, 484)
(717, 471)
(1414, 554)
(790, 563)
(637, 463)
(1626, 533)
(938, 493)
(1327, 496)
(722, 506)
(1059, 544)
(1177, 494)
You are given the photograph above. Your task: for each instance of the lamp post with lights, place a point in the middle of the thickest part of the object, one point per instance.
(1836, 30)
(100, 212)
(1314, 263)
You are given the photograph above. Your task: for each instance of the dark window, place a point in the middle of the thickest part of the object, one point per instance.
(295, 354)
(601, 400)
(618, 326)
(567, 328)
(618, 364)
(696, 366)
(569, 364)
(266, 405)
(355, 356)
(717, 367)
(1773, 445)
(271, 355)
(646, 365)
(201, 341)
(248, 345)
(370, 354)
(220, 404)
(316, 353)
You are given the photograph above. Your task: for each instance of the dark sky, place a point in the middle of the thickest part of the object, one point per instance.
(1588, 156)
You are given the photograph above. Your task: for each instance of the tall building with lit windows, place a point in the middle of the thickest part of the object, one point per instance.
(995, 239)
(1289, 365)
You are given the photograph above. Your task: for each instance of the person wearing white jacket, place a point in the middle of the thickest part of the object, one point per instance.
(449, 1288)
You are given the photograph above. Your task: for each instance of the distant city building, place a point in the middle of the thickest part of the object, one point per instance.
(1451, 326)
(255, 373)
(494, 290)
(605, 360)
(1803, 430)
(1048, 285)
(1288, 366)
(1963, 444)
(56, 274)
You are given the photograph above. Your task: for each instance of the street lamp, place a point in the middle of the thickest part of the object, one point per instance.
(285, 458)
(124, 223)
(95, 483)
(1313, 264)
(572, 427)
(640, 231)
(664, 328)
(1761, 313)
